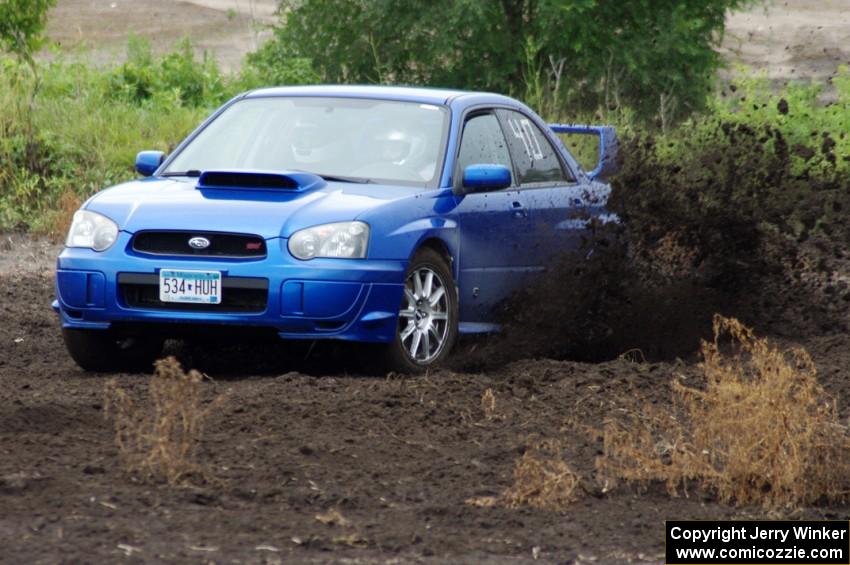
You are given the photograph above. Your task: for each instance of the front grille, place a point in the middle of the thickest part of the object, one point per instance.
(221, 244)
(239, 295)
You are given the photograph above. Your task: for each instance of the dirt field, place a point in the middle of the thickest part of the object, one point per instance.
(300, 436)
(791, 39)
(397, 457)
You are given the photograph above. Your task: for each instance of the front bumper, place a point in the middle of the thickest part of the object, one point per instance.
(323, 298)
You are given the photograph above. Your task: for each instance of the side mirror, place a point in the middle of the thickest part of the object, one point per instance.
(609, 145)
(147, 162)
(483, 178)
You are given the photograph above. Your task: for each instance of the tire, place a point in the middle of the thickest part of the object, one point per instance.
(101, 351)
(428, 309)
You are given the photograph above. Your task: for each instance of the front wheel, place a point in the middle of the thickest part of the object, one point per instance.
(101, 351)
(428, 316)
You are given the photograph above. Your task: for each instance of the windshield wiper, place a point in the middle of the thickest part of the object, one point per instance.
(190, 173)
(335, 178)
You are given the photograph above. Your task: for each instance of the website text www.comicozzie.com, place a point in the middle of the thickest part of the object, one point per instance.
(780, 553)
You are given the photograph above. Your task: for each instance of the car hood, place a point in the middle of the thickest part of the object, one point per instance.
(163, 204)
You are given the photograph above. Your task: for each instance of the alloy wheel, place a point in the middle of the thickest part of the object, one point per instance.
(424, 316)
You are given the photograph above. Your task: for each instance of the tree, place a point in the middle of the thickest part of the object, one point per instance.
(654, 56)
(22, 25)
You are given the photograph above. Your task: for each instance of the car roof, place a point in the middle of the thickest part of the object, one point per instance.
(437, 96)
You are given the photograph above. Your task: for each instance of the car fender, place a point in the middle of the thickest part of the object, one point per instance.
(446, 232)
(399, 228)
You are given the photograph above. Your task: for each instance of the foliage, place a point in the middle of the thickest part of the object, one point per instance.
(22, 25)
(176, 78)
(89, 123)
(759, 430)
(271, 65)
(654, 56)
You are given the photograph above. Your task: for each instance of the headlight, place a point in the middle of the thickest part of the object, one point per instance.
(344, 240)
(92, 231)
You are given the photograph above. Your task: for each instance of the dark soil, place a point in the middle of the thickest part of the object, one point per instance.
(395, 456)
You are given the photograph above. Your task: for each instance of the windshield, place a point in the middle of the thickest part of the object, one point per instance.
(367, 140)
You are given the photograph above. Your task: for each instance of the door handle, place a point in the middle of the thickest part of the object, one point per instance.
(519, 211)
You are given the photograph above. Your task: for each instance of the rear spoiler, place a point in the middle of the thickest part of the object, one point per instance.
(608, 146)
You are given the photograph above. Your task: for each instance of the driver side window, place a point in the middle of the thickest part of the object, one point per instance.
(483, 143)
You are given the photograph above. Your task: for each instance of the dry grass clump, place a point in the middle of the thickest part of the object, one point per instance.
(158, 440)
(761, 431)
(488, 404)
(333, 517)
(541, 479)
(63, 215)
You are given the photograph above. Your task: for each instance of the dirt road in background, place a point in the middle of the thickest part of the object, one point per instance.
(97, 30)
(789, 39)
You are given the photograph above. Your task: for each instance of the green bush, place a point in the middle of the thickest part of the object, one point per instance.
(85, 127)
(271, 65)
(176, 78)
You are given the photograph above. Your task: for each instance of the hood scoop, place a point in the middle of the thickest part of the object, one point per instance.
(294, 181)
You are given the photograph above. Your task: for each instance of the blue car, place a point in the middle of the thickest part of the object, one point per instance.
(396, 216)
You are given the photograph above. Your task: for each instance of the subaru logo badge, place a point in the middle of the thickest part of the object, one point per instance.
(199, 243)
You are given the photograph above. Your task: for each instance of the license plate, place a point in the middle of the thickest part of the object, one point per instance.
(198, 287)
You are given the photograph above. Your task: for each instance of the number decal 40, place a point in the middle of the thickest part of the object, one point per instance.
(522, 131)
